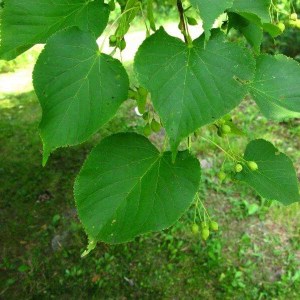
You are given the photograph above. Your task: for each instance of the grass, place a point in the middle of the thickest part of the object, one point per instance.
(255, 254)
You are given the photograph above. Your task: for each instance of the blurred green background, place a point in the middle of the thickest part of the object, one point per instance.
(255, 254)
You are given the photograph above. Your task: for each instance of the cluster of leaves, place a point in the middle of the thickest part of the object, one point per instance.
(289, 42)
(127, 186)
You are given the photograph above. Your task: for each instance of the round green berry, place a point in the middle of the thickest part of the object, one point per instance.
(146, 116)
(142, 91)
(155, 126)
(192, 21)
(294, 16)
(141, 105)
(220, 133)
(180, 26)
(122, 45)
(147, 130)
(252, 165)
(205, 233)
(222, 175)
(226, 129)
(112, 40)
(214, 226)
(195, 228)
(238, 168)
(281, 26)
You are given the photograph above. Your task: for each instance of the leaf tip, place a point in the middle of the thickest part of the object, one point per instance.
(90, 247)
(46, 154)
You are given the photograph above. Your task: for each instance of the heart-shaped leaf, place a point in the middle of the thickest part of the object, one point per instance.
(191, 87)
(275, 178)
(78, 87)
(127, 187)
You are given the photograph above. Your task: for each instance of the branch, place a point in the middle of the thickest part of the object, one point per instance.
(182, 21)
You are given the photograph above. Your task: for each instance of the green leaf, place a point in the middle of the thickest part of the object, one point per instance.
(275, 178)
(252, 18)
(256, 11)
(276, 87)
(129, 13)
(25, 23)
(210, 10)
(150, 15)
(191, 87)
(272, 29)
(257, 7)
(252, 32)
(127, 187)
(23, 268)
(78, 87)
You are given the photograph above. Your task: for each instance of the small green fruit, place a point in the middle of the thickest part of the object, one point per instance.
(155, 126)
(220, 132)
(142, 91)
(226, 129)
(214, 226)
(294, 16)
(147, 130)
(252, 165)
(192, 21)
(238, 168)
(122, 45)
(281, 26)
(222, 175)
(146, 116)
(112, 40)
(195, 229)
(180, 27)
(205, 233)
(141, 105)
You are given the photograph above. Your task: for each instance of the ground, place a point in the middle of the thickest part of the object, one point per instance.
(255, 254)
